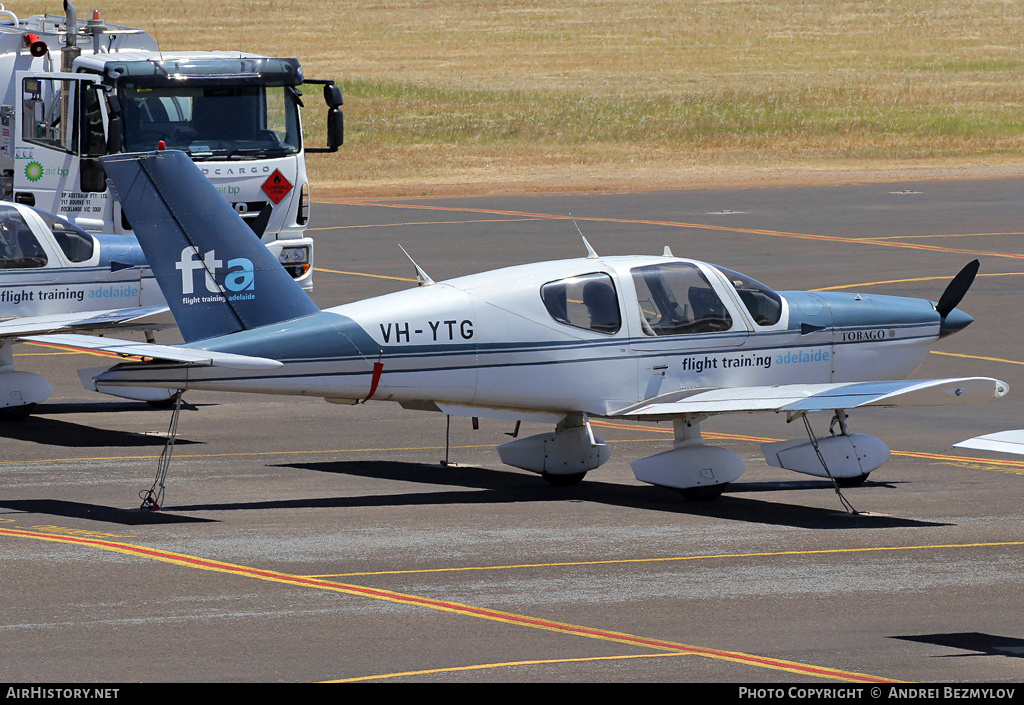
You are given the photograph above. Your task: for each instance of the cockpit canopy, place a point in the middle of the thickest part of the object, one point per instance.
(674, 298)
(20, 247)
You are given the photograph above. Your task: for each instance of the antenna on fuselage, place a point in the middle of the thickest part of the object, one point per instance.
(591, 253)
(421, 277)
(667, 252)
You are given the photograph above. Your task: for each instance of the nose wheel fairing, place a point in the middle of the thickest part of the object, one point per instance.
(19, 391)
(690, 463)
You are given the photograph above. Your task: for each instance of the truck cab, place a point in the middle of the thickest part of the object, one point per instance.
(236, 114)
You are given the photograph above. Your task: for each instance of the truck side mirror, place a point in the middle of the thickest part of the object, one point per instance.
(115, 125)
(335, 118)
(332, 95)
(335, 129)
(114, 132)
(93, 179)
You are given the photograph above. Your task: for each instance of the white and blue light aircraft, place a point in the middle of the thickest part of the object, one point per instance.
(647, 338)
(54, 276)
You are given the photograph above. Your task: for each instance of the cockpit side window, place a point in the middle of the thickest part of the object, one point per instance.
(764, 305)
(19, 248)
(676, 298)
(76, 243)
(588, 301)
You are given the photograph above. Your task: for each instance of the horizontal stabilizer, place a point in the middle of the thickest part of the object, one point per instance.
(1002, 442)
(149, 316)
(154, 394)
(824, 397)
(167, 353)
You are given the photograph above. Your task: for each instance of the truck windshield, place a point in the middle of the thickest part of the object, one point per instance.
(212, 122)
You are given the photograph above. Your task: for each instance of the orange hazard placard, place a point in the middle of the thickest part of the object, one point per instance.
(276, 186)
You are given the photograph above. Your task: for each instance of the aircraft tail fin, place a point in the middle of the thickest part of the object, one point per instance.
(216, 275)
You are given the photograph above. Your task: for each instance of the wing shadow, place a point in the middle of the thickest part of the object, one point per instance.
(981, 644)
(478, 485)
(106, 407)
(95, 512)
(52, 432)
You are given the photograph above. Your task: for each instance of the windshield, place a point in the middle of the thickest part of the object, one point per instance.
(677, 298)
(19, 248)
(77, 244)
(212, 122)
(764, 305)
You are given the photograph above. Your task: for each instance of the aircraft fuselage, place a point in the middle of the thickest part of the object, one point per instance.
(588, 335)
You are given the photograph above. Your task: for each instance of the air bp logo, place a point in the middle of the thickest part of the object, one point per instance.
(33, 171)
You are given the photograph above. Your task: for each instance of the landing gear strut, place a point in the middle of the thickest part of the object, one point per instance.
(153, 498)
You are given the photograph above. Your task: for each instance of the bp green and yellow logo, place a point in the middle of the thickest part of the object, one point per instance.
(34, 171)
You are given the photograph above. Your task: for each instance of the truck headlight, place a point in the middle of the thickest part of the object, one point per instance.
(294, 255)
(295, 260)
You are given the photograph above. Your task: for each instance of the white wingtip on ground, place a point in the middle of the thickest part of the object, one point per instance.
(1001, 442)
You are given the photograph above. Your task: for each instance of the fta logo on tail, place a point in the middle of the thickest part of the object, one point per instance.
(239, 277)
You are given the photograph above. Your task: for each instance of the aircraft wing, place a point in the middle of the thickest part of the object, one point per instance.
(147, 316)
(169, 353)
(819, 397)
(1002, 442)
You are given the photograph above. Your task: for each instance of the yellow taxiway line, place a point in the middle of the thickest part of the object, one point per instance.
(878, 242)
(511, 618)
(675, 559)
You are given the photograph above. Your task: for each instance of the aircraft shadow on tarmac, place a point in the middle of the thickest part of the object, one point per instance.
(106, 407)
(502, 487)
(95, 512)
(101, 407)
(981, 644)
(53, 432)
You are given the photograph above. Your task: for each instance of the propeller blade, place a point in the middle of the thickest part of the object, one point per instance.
(957, 288)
